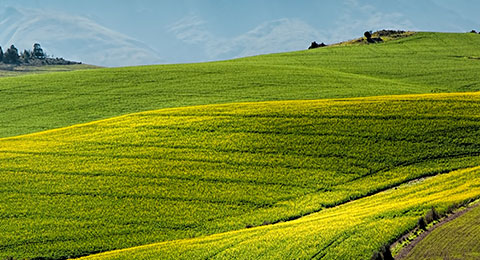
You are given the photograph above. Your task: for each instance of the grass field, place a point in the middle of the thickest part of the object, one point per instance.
(458, 239)
(422, 63)
(13, 71)
(189, 160)
(351, 231)
(188, 172)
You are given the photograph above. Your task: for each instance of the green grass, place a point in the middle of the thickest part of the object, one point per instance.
(422, 63)
(458, 239)
(351, 231)
(13, 71)
(189, 177)
(188, 172)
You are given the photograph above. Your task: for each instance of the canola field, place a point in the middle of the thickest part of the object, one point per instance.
(354, 230)
(180, 173)
(422, 63)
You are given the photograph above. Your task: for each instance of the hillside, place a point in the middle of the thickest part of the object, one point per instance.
(275, 156)
(188, 172)
(13, 71)
(351, 231)
(458, 239)
(422, 63)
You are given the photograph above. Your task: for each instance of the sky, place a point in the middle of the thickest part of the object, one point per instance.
(140, 32)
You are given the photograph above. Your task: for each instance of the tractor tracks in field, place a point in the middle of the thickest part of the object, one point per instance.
(320, 253)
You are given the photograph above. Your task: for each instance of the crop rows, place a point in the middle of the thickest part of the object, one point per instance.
(458, 239)
(354, 230)
(422, 63)
(188, 172)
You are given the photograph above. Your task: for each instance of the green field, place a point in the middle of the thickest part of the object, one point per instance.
(14, 71)
(275, 156)
(351, 231)
(187, 172)
(422, 63)
(458, 239)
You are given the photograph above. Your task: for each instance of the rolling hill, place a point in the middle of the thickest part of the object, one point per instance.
(422, 63)
(14, 71)
(458, 239)
(274, 156)
(351, 231)
(187, 172)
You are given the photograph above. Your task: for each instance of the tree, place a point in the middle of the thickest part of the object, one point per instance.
(35, 57)
(11, 55)
(383, 254)
(422, 223)
(38, 51)
(315, 45)
(368, 35)
(26, 56)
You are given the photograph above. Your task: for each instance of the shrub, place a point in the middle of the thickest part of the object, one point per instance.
(368, 35)
(422, 224)
(315, 45)
(383, 254)
(432, 215)
(390, 33)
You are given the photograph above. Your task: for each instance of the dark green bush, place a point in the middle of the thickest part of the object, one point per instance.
(432, 215)
(383, 254)
(422, 224)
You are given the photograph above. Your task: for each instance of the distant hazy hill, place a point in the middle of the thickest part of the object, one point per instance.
(91, 43)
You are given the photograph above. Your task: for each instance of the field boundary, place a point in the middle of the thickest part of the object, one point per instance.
(403, 253)
(215, 235)
(171, 109)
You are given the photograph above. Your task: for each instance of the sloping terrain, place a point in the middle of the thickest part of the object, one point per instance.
(202, 174)
(13, 71)
(188, 172)
(422, 63)
(351, 231)
(457, 239)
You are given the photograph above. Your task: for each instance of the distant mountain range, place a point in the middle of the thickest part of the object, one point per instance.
(72, 37)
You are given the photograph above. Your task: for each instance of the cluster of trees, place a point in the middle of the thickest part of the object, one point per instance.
(11, 55)
(315, 45)
(370, 39)
(29, 57)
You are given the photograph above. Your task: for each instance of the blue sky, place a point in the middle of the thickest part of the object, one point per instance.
(127, 32)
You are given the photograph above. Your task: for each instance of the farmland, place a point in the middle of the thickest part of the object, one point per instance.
(350, 231)
(422, 63)
(181, 173)
(458, 239)
(13, 71)
(328, 153)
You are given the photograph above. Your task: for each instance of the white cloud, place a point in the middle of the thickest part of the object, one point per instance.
(72, 37)
(273, 36)
(358, 18)
(278, 36)
(191, 29)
